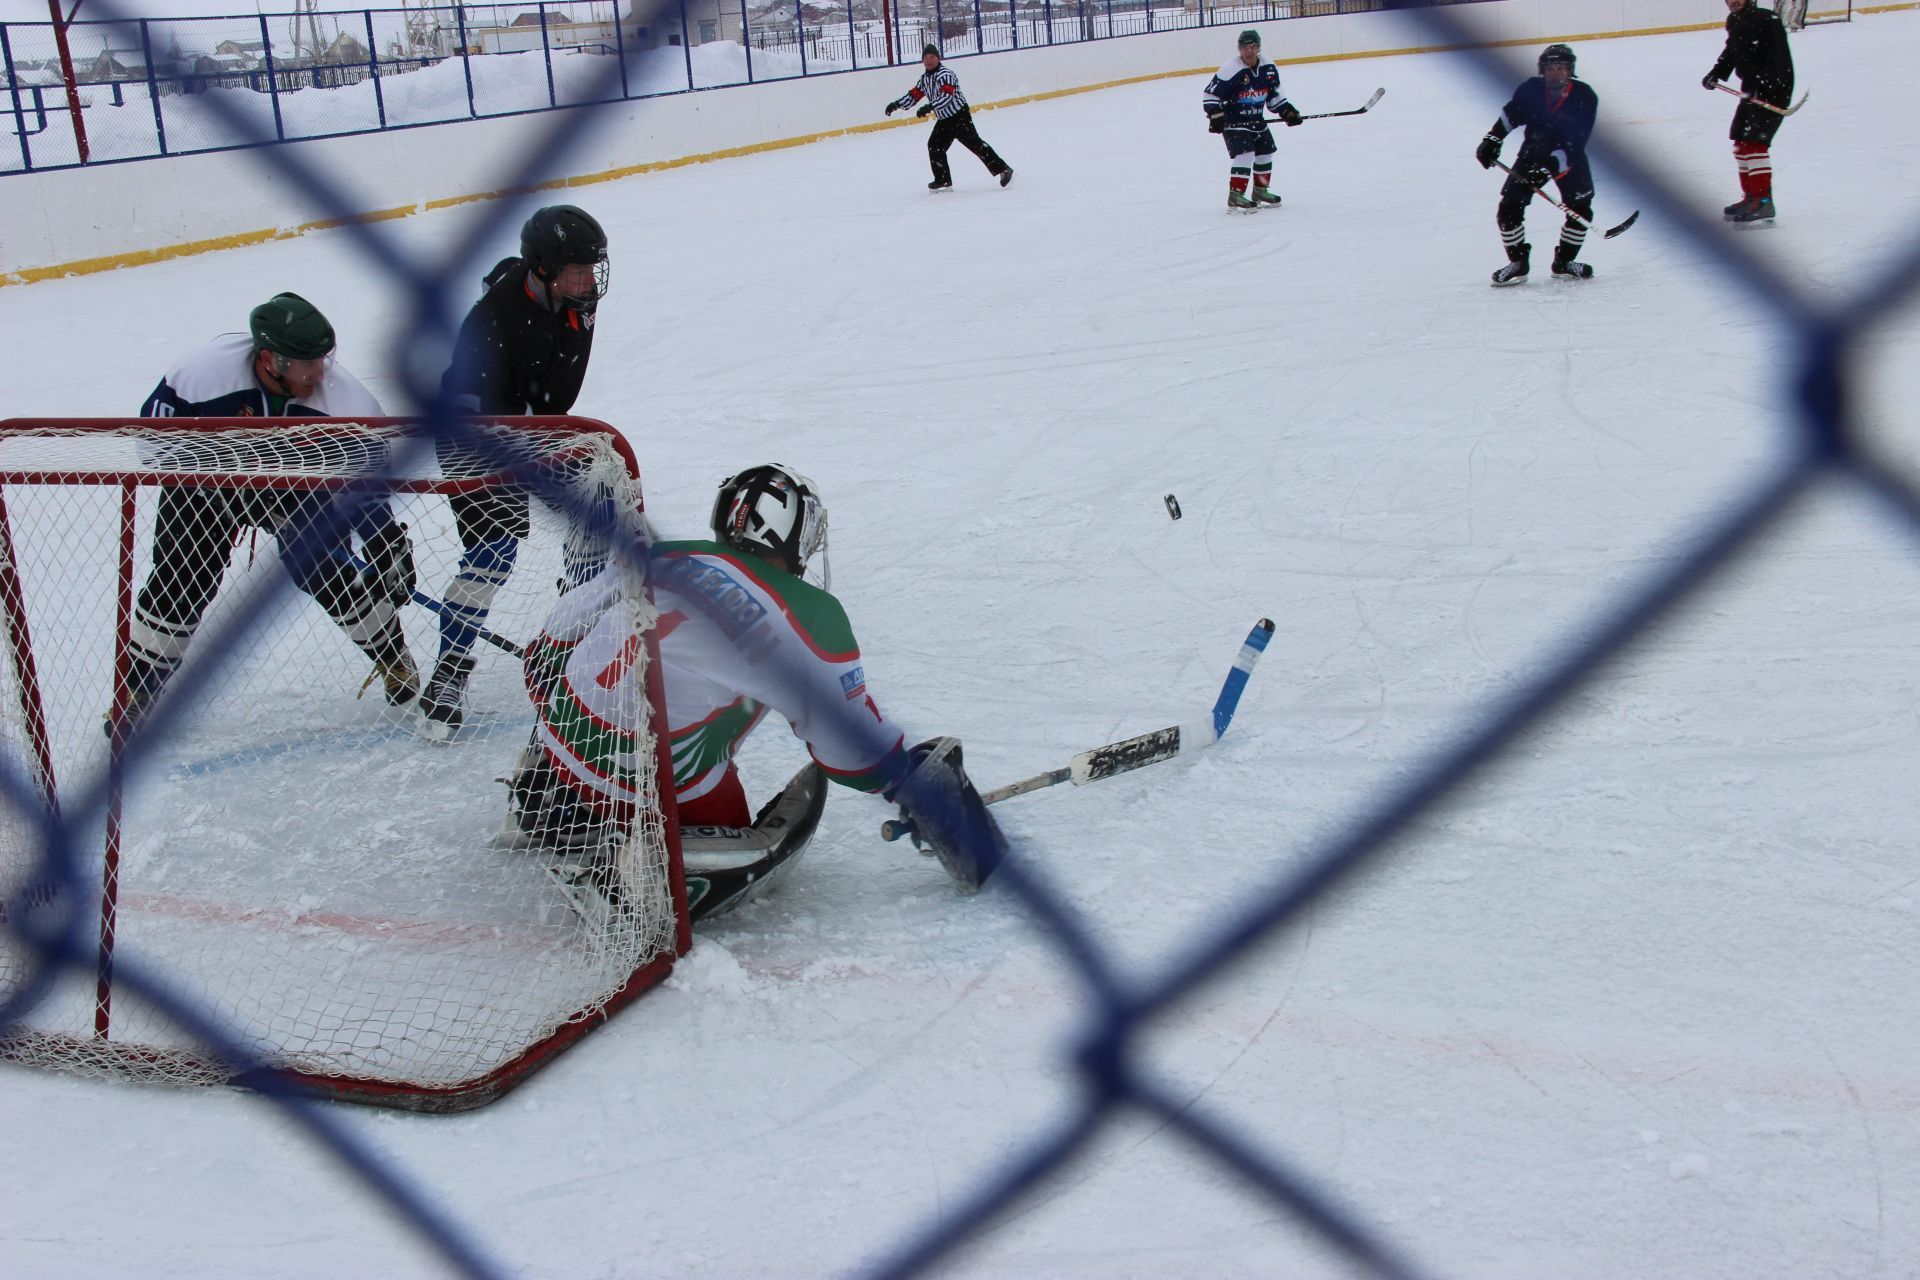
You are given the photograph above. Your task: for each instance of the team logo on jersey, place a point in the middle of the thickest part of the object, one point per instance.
(734, 607)
(854, 683)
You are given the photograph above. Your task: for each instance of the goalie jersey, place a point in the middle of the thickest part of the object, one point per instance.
(737, 638)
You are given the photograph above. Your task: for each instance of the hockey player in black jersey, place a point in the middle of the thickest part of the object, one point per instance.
(1557, 112)
(941, 89)
(282, 367)
(1236, 101)
(522, 349)
(1757, 50)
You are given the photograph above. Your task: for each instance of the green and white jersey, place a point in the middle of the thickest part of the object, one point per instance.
(737, 638)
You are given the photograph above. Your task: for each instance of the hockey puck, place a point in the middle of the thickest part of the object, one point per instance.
(1173, 506)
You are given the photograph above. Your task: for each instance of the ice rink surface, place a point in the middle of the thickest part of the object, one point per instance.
(1639, 1003)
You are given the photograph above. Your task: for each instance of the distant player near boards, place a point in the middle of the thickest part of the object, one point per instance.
(1235, 101)
(1756, 49)
(941, 89)
(1557, 112)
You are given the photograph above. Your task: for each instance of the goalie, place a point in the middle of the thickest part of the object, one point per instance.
(740, 633)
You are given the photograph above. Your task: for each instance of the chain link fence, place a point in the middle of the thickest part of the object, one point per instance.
(1115, 1080)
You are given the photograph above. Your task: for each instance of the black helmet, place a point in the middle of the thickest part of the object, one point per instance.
(933, 49)
(771, 510)
(288, 325)
(1556, 53)
(560, 235)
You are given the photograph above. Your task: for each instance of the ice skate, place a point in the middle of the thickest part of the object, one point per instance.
(940, 184)
(1006, 176)
(1265, 197)
(1759, 210)
(1239, 202)
(443, 704)
(1565, 266)
(1733, 211)
(1515, 272)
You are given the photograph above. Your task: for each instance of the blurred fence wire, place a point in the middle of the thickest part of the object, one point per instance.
(1115, 1079)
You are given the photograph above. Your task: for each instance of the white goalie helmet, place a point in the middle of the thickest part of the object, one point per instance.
(773, 510)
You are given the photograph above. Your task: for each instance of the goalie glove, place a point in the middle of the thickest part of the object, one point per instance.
(390, 574)
(945, 816)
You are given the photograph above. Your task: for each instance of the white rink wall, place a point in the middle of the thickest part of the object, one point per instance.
(118, 214)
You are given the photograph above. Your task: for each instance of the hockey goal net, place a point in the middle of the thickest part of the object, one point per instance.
(286, 853)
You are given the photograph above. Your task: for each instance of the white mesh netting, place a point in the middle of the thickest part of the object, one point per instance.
(299, 860)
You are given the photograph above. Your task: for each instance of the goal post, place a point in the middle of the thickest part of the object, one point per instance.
(295, 859)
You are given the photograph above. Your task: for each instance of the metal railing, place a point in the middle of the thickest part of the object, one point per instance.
(144, 88)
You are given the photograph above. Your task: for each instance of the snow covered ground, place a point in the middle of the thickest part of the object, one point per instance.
(1639, 1003)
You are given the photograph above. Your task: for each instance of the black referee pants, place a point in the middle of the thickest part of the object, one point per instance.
(958, 127)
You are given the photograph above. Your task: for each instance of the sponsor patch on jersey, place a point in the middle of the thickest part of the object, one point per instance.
(854, 683)
(735, 609)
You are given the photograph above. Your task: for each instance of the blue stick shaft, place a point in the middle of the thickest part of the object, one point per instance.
(1237, 678)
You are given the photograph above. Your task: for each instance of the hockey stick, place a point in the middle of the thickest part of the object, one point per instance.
(1608, 234)
(1138, 752)
(1328, 115)
(1779, 111)
(439, 609)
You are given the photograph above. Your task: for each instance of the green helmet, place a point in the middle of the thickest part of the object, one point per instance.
(288, 325)
(1247, 37)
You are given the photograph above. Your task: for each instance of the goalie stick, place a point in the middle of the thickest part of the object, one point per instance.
(1609, 233)
(1137, 752)
(1747, 97)
(1328, 115)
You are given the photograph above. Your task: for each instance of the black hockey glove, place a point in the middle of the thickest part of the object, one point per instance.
(924, 112)
(892, 107)
(1290, 113)
(945, 816)
(389, 573)
(1217, 122)
(1709, 81)
(1488, 151)
(1535, 173)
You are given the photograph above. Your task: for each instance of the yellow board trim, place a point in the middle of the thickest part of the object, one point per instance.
(142, 257)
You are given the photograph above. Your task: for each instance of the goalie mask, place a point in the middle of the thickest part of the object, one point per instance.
(773, 512)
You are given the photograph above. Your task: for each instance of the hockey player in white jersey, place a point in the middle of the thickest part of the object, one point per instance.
(741, 632)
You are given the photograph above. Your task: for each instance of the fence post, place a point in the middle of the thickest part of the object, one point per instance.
(373, 69)
(153, 87)
(939, 28)
(686, 43)
(273, 79)
(13, 91)
(746, 40)
(466, 58)
(620, 52)
(800, 33)
(1046, 11)
(546, 54)
(853, 47)
(979, 30)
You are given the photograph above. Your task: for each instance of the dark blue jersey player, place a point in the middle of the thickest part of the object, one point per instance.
(1236, 102)
(1557, 113)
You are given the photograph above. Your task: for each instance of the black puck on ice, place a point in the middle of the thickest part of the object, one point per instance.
(1173, 506)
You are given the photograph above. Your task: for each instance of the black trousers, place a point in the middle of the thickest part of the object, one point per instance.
(193, 538)
(1576, 192)
(1753, 123)
(959, 128)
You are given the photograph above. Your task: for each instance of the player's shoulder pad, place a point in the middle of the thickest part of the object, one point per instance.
(220, 368)
(341, 395)
(1229, 69)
